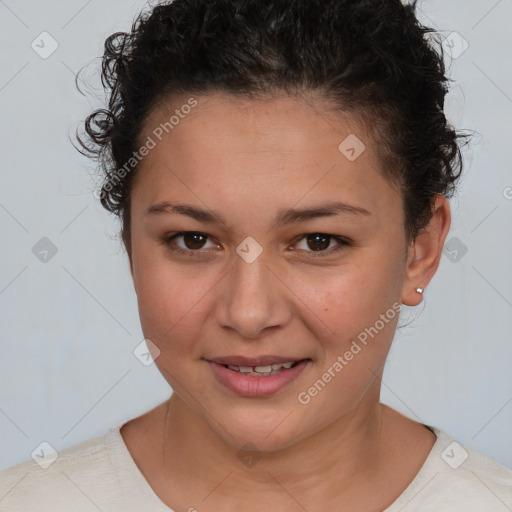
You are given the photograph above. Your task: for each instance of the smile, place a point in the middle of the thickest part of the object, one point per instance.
(262, 371)
(256, 380)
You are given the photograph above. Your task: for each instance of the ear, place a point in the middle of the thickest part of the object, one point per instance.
(425, 252)
(127, 246)
(129, 253)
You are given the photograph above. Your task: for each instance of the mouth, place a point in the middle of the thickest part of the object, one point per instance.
(263, 370)
(257, 366)
(260, 376)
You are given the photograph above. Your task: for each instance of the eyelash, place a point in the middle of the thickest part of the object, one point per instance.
(167, 241)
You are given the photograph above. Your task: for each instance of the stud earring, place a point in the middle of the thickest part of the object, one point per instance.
(419, 290)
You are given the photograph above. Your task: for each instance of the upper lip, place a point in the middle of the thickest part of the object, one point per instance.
(254, 361)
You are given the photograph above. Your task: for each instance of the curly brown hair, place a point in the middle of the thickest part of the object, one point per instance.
(371, 58)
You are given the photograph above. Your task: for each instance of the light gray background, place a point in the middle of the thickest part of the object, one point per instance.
(69, 326)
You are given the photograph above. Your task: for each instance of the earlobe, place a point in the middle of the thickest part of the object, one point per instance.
(130, 261)
(127, 247)
(132, 273)
(131, 265)
(425, 253)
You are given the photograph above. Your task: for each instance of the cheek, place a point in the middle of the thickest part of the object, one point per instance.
(167, 294)
(361, 317)
(359, 308)
(353, 295)
(169, 305)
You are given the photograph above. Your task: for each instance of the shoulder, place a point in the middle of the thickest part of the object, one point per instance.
(480, 476)
(78, 474)
(457, 478)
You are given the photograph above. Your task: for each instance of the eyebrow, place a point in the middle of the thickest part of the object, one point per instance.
(284, 217)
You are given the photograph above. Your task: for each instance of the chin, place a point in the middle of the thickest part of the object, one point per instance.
(264, 432)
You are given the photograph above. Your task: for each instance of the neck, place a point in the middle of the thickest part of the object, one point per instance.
(352, 449)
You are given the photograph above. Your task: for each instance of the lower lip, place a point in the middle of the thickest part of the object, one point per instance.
(256, 386)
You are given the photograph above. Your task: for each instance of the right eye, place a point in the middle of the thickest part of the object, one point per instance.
(193, 241)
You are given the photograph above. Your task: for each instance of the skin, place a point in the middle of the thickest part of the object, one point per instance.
(246, 160)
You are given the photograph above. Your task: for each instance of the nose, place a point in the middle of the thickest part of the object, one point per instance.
(253, 299)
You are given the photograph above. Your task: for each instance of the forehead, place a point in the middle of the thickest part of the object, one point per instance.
(265, 124)
(279, 149)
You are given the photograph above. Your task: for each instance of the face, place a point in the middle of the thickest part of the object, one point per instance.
(244, 276)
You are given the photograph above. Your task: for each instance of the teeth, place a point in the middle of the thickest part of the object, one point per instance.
(261, 370)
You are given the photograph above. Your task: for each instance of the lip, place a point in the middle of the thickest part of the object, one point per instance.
(250, 386)
(253, 361)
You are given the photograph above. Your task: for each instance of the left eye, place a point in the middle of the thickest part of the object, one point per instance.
(319, 242)
(194, 241)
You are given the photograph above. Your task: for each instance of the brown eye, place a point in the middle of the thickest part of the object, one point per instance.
(318, 242)
(194, 240)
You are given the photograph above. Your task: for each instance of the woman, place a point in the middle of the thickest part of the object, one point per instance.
(282, 171)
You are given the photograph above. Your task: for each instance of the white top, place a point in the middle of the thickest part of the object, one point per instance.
(100, 475)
